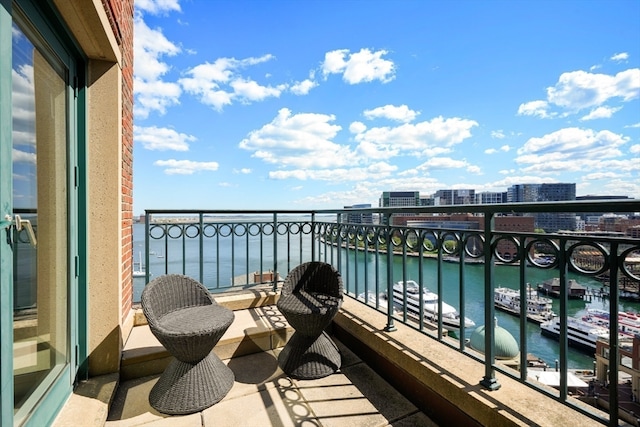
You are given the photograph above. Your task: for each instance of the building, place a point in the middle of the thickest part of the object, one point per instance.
(554, 192)
(66, 104)
(360, 218)
(491, 197)
(455, 197)
(398, 199)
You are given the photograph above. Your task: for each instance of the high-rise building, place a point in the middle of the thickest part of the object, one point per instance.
(491, 198)
(399, 198)
(455, 197)
(357, 217)
(553, 192)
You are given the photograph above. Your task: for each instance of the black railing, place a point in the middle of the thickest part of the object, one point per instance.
(460, 261)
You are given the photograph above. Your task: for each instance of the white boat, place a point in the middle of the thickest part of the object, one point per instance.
(581, 333)
(539, 308)
(139, 272)
(406, 295)
(628, 323)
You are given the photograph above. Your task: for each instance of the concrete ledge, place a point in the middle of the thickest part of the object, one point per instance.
(442, 382)
(253, 330)
(89, 403)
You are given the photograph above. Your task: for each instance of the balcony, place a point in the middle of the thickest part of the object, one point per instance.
(433, 373)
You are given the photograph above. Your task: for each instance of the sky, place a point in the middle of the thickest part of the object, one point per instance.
(323, 104)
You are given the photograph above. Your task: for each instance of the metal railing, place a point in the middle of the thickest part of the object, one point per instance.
(461, 263)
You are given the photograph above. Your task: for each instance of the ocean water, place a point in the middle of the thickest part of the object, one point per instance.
(241, 256)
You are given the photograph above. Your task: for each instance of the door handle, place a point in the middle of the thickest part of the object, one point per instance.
(21, 224)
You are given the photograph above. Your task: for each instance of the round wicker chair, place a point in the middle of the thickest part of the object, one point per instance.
(311, 297)
(187, 321)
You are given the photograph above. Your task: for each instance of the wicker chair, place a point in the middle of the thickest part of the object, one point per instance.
(187, 321)
(311, 297)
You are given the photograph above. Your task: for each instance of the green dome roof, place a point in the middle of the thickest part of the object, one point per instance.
(506, 345)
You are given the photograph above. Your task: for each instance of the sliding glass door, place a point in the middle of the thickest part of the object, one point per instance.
(37, 241)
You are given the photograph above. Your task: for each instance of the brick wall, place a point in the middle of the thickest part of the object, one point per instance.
(120, 14)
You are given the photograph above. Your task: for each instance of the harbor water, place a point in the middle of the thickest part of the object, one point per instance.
(360, 269)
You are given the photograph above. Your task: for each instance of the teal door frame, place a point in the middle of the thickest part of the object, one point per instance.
(6, 263)
(45, 20)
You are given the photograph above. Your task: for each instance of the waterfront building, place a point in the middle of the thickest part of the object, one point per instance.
(391, 199)
(359, 218)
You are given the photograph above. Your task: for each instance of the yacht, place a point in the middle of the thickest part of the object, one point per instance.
(582, 333)
(539, 308)
(628, 323)
(407, 295)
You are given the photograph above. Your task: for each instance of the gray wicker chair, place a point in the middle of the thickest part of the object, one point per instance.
(187, 321)
(311, 297)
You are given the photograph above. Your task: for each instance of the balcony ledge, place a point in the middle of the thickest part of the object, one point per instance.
(438, 380)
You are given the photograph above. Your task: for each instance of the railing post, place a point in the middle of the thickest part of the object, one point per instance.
(146, 246)
(614, 345)
(275, 251)
(201, 248)
(489, 381)
(390, 326)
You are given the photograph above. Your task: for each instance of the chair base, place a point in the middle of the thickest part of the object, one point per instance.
(309, 358)
(184, 388)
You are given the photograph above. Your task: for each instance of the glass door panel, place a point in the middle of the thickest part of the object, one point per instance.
(40, 235)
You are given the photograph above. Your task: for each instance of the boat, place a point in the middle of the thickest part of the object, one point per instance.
(628, 323)
(139, 272)
(581, 334)
(539, 308)
(407, 295)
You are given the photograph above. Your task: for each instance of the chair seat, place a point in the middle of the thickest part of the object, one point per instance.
(307, 303)
(198, 320)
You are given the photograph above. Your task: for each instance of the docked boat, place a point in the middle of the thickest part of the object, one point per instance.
(581, 334)
(539, 308)
(139, 271)
(628, 323)
(407, 295)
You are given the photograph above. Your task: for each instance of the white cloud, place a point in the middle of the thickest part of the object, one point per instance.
(428, 138)
(185, 167)
(573, 150)
(357, 127)
(218, 84)
(157, 7)
(635, 149)
(301, 140)
(151, 92)
(359, 67)
(622, 56)
(19, 156)
(244, 171)
(635, 125)
(498, 134)
(23, 108)
(601, 113)
(374, 171)
(161, 139)
(400, 113)
(534, 108)
(303, 87)
(579, 90)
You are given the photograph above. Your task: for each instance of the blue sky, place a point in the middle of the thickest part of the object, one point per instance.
(323, 104)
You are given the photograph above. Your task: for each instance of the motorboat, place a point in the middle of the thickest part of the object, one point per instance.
(539, 308)
(628, 323)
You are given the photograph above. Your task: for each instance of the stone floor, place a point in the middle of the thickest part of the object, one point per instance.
(264, 396)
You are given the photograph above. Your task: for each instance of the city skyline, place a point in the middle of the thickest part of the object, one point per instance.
(245, 105)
